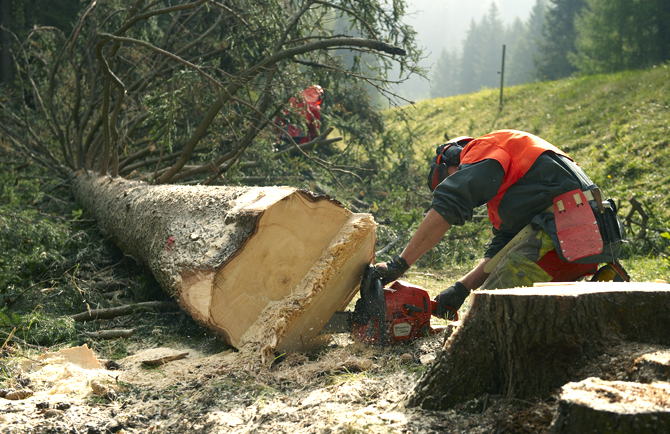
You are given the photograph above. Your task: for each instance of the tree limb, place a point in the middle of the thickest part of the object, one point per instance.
(129, 309)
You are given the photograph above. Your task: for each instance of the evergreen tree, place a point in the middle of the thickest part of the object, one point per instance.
(615, 35)
(558, 39)
(526, 51)
(22, 16)
(444, 77)
(489, 52)
(468, 68)
(519, 59)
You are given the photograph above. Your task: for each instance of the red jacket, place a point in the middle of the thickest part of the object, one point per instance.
(515, 150)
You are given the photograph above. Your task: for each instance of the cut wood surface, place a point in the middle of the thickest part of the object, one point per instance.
(597, 406)
(526, 342)
(265, 267)
(651, 367)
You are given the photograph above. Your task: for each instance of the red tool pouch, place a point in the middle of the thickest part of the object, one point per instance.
(576, 226)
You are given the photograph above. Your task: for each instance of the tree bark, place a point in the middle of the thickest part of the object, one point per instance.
(525, 342)
(265, 267)
(617, 407)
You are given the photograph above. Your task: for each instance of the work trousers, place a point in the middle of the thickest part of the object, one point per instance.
(535, 260)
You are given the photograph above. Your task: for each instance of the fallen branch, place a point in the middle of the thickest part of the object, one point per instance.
(637, 206)
(111, 334)
(321, 140)
(389, 245)
(164, 360)
(129, 309)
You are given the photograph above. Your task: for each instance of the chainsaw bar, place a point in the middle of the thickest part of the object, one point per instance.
(373, 306)
(370, 309)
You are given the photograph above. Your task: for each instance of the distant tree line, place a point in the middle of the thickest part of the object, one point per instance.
(560, 38)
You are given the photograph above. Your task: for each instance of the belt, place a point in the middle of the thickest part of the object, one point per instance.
(528, 229)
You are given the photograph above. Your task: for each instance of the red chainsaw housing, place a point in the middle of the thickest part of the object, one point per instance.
(408, 312)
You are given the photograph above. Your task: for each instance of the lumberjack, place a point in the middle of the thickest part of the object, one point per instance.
(550, 223)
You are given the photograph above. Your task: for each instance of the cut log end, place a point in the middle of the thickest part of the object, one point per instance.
(303, 262)
(651, 367)
(264, 267)
(595, 405)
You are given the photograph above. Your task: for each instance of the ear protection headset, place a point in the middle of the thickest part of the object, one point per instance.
(448, 154)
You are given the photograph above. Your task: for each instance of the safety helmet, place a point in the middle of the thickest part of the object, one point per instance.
(448, 154)
(313, 94)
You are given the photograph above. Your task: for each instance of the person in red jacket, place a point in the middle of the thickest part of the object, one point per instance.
(538, 199)
(303, 121)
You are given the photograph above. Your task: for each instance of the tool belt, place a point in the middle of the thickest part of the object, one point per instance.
(583, 228)
(587, 228)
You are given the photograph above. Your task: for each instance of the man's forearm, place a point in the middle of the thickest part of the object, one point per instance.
(430, 232)
(476, 277)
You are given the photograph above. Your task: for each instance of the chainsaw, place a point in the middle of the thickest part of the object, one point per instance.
(382, 316)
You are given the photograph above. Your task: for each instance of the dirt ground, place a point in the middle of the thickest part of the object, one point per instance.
(345, 388)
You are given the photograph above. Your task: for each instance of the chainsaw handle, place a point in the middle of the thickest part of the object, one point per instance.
(433, 310)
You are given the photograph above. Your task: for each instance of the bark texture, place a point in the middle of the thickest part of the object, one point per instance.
(265, 267)
(613, 407)
(526, 342)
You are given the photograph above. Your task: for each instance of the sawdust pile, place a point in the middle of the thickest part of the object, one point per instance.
(346, 387)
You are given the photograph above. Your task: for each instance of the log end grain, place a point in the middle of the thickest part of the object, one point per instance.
(595, 405)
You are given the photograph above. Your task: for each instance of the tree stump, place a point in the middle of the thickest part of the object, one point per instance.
(526, 342)
(651, 367)
(613, 407)
(265, 267)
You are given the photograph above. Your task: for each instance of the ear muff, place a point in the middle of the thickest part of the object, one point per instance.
(448, 154)
(438, 172)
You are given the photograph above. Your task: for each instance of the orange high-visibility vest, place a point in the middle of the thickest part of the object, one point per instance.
(516, 151)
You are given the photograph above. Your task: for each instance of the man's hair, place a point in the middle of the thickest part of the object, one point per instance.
(448, 154)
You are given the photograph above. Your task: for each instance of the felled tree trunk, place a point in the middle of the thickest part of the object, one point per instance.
(265, 267)
(598, 406)
(525, 342)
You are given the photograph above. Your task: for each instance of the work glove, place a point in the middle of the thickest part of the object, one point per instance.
(450, 300)
(391, 270)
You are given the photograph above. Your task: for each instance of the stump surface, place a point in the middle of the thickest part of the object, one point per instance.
(597, 406)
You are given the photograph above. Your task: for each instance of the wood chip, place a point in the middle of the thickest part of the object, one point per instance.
(16, 395)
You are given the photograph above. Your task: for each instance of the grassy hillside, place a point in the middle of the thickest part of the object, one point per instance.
(617, 127)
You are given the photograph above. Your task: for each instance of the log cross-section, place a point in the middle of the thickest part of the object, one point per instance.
(265, 267)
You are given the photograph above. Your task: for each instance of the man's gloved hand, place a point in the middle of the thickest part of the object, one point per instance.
(391, 270)
(451, 298)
